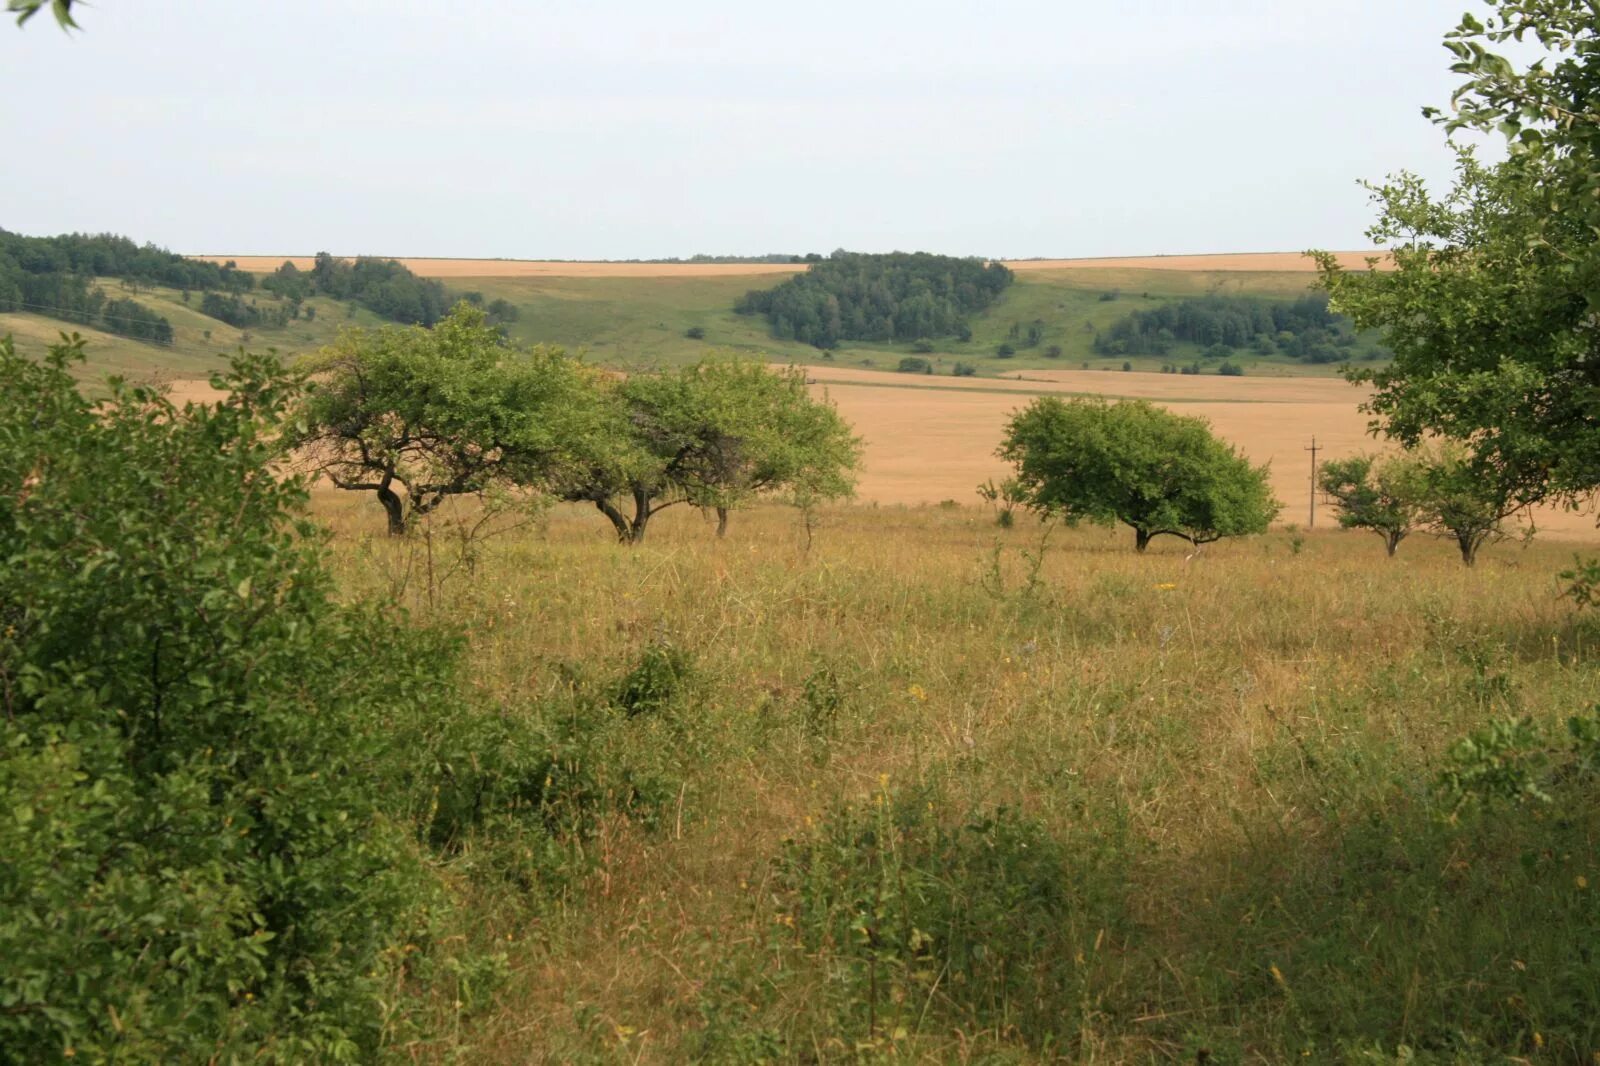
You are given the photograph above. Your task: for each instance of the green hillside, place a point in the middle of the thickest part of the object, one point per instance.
(200, 345)
(632, 322)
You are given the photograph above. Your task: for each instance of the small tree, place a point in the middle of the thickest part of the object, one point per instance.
(1131, 462)
(715, 435)
(1463, 500)
(418, 415)
(1384, 494)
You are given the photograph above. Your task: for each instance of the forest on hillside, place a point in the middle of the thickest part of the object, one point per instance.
(1221, 325)
(895, 297)
(57, 277)
(62, 277)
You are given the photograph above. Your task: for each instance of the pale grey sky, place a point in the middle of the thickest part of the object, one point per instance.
(636, 128)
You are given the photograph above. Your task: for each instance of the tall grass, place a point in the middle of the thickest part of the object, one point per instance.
(936, 790)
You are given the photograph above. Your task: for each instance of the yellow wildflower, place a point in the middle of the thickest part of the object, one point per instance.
(917, 692)
(1581, 881)
(1166, 586)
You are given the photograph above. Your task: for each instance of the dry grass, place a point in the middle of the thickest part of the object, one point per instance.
(1182, 698)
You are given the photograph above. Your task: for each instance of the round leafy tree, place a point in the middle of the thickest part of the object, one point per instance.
(1131, 462)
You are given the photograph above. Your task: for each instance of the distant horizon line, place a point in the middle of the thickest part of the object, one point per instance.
(732, 259)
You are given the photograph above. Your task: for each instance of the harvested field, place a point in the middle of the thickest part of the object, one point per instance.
(1274, 262)
(1271, 262)
(930, 439)
(530, 268)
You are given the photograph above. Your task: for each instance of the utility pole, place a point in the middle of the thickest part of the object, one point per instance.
(1313, 450)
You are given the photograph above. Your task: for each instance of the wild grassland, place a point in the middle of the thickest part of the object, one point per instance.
(933, 790)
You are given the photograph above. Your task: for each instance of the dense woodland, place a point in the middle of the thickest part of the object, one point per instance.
(900, 296)
(1222, 325)
(57, 277)
(62, 277)
(383, 286)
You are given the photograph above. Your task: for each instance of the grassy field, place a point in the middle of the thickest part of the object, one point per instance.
(643, 321)
(931, 790)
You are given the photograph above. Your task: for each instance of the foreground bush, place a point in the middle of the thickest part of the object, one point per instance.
(197, 859)
(224, 792)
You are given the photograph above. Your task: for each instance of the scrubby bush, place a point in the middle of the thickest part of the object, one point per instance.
(922, 346)
(964, 370)
(224, 790)
(911, 908)
(695, 333)
(199, 864)
(1005, 350)
(656, 681)
(913, 364)
(1231, 370)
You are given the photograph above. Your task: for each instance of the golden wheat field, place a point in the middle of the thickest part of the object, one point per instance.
(931, 439)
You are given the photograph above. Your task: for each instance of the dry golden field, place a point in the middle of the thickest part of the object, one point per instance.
(930, 439)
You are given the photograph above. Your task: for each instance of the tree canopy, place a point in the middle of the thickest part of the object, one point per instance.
(899, 296)
(385, 287)
(419, 415)
(1132, 462)
(1300, 329)
(1491, 303)
(1384, 494)
(714, 435)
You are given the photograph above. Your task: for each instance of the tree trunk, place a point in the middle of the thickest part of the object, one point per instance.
(619, 521)
(641, 514)
(1141, 539)
(394, 507)
(1469, 547)
(722, 521)
(1391, 541)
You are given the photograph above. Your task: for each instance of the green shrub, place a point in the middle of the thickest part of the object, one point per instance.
(964, 370)
(980, 921)
(655, 682)
(202, 862)
(913, 364)
(695, 333)
(922, 346)
(1005, 350)
(1231, 370)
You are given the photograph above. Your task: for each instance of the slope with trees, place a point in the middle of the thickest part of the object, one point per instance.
(1159, 473)
(385, 287)
(1303, 329)
(899, 296)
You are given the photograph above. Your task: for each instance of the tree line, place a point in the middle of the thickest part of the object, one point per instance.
(385, 287)
(1305, 328)
(56, 277)
(894, 297)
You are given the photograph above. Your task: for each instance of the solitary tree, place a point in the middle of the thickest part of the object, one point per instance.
(1159, 473)
(418, 415)
(1491, 302)
(1381, 493)
(716, 435)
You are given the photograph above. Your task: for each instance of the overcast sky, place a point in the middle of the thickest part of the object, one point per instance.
(642, 128)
